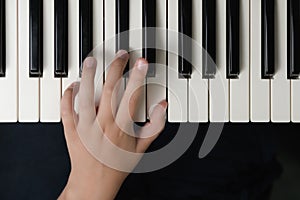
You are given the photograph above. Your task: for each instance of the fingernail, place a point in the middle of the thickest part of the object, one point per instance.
(90, 62)
(142, 65)
(165, 105)
(74, 85)
(122, 54)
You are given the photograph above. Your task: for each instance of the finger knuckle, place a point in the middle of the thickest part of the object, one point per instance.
(107, 90)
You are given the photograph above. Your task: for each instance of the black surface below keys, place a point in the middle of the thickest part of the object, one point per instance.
(232, 38)
(122, 28)
(293, 39)
(61, 38)
(185, 38)
(2, 39)
(268, 41)
(149, 34)
(36, 38)
(209, 38)
(85, 30)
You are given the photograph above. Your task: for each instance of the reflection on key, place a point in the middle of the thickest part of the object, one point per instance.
(61, 38)
(209, 37)
(36, 38)
(149, 35)
(232, 38)
(293, 39)
(267, 65)
(184, 40)
(2, 38)
(122, 27)
(85, 30)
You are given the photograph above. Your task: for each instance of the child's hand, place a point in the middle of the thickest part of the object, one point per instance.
(89, 178)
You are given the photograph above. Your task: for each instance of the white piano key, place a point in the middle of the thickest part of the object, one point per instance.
(98, 46)
(177, 88)
(219, 87)
(73, 45)
(240, 88)
(28, 87)
(110, 32)
(259, 88)
(110, 41)
(295, 100)
(280, 85)
(97, 23)
(135, 48)
(198, 87)
(156, 88)
(50, 87)
(8, 85)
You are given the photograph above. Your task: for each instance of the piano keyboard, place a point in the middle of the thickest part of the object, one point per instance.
(254, 43)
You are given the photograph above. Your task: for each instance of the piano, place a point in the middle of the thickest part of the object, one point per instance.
(253, 43)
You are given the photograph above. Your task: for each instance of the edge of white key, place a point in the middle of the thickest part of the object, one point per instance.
(219, 87)
(240, 88)
(177, 88)
(50, 87)
(28, 87)
(198, 87)
(156, 86)
(259, 89)
(73, 45)
(280, 85)
(135, 48)
(8, 84)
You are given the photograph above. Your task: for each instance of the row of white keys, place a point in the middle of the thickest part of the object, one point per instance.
(50, 87)
(156, 86)
(8, 85)
(280, 85)
(198, 87)
(259, 88)
(240, 88)
(219, 86)
(135, 48)
(177, 88)
(28, 87)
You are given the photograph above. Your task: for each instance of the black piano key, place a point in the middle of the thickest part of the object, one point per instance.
(209, 38)
(122, 28)
(232, 39)
(2, 39)
(85, 30)
(61, 39)
(36, 38)
(149, 35)
(268, 40)
(185, 41)
(293, 39)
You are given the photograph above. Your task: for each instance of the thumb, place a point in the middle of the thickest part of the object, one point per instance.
(67, 114)
(152, 129)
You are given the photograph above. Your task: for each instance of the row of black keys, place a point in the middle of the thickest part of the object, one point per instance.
(149, 20)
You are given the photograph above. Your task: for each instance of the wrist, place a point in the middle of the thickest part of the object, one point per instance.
(91, 188)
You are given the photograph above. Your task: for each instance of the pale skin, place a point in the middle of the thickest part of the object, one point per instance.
(89, 178)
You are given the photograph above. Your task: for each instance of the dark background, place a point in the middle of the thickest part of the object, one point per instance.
(34, 164)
